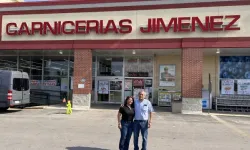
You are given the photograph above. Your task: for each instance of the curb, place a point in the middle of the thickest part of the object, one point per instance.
(35, 107)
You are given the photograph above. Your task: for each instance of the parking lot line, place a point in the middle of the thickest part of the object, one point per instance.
(230, 126)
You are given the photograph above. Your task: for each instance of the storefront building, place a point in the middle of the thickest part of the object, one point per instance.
(102, 52)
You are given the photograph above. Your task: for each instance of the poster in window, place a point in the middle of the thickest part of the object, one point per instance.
(64, 84)
(167, 75)
(227, 86)
(235, 67)
(243, 87)
(128, 84)
(165, 96)
(138, 82)
(148, 83)
(103, 87)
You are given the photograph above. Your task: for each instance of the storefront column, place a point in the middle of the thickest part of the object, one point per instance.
(82, 85)
(192, 61)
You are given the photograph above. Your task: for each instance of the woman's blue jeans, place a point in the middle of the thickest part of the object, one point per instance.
(126, 133)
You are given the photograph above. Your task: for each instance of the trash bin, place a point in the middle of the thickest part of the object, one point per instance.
(176, 102)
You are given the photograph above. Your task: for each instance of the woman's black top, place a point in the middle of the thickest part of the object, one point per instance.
(127, 113)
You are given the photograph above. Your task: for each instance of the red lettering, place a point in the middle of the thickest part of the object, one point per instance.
(203, 27)
(24, 29)
(36, 26)
(182, 25)
(47, 27)
(80, 27)
(64, 27)
(161, 23)
(8, 27)
(214, 23)
(111, 27)
(90, 26)
(234, 18)
(59, 27)
(154, 26)
(125, 26)
(148, 28)
(101, 27)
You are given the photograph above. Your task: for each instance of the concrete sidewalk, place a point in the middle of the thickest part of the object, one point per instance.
(40, 129)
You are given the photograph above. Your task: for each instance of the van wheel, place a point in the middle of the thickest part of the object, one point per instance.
(4, 109)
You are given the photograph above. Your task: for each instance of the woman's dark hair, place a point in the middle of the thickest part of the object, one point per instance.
(126, 101)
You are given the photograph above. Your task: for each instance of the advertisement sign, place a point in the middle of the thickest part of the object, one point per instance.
(35, 82)
(64, 84)
(165, 96)
(103, 87)
(176, 96)
(243, 87)
(45, 82)
(227, 86)
(138, 82)
(49, 83)
(167, 75)
(205, 99)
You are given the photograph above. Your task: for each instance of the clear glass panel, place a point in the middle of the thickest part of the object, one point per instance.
(131, 65)
(25, 64)
(115, 96)
(103, 97)
(110, 66)
(139, 67)
(36, 67)
(146, 65)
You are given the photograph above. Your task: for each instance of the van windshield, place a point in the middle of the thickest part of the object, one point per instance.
(20, 84)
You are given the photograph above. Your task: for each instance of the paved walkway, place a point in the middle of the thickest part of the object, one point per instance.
(43, 129)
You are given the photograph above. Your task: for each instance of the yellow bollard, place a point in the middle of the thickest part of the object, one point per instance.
(69, 108)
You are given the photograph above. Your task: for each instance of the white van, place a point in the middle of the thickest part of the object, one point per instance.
(14, 89)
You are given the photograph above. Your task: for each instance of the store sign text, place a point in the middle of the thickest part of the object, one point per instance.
(124, 26)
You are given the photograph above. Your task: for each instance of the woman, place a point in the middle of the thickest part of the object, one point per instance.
(125, 118)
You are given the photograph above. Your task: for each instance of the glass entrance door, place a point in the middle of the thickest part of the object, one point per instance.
(115, 93)
(110, 90)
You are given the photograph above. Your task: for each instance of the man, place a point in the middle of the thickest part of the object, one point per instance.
(143, 120)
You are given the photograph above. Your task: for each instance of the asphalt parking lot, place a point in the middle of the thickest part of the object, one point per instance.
(96, 129)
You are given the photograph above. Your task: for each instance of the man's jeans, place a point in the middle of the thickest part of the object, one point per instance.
(140, 125)
(126, 133)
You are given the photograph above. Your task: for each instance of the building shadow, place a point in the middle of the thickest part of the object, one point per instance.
(9, 111)
(84, 148)
(105, 106)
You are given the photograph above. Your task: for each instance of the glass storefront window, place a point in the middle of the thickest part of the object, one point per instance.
(110, 66)
(36, 67)
(139, 67)
(8, 60)
(235, 75)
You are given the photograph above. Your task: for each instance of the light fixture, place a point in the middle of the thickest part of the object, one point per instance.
(60, 52)
(218, 51)
(133, 52)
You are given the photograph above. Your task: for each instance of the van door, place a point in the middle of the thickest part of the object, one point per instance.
(17, 94)
(25, 89)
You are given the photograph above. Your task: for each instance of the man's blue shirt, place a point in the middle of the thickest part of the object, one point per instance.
(142, 109)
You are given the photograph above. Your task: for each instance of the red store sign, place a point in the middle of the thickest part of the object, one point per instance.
(124, 26)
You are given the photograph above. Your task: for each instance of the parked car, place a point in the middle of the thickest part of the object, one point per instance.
(14, 89)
